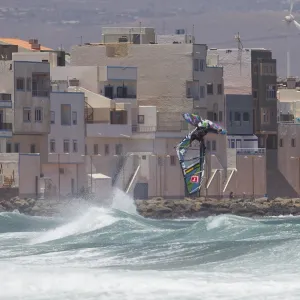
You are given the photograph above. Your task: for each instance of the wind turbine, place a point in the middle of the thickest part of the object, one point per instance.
(288, 20)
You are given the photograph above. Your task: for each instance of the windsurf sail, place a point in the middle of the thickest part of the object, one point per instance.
(192, 119)
(192, 162)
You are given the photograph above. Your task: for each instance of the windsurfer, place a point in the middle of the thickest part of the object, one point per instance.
(202, 129)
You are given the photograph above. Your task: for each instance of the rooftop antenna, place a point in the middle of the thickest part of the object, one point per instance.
(237, 37)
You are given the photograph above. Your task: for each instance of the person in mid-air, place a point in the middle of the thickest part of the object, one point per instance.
(202, 129)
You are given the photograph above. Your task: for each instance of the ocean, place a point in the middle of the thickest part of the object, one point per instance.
(115, 254)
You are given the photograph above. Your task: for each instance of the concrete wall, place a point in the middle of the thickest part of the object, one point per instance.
(251, 176)
(63, 182)
(73, 132)
(29, 175)
(88, 75)
(288, 153)
(51, 57)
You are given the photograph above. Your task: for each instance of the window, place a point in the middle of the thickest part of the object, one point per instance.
(202, 65)
(293, 143)
(196, 64)
(188, 92)
(141, 119)
(237, 116)
(232, 144)
(17, 148)
(32, 148)
(52, 117)
(210, 89)
(75, 146)
(65, 114)
(74, 117)
(265, 68)
(271, 92)
(119, 149)
(208, 145)
(265, 116)
(246, 117)
(202, 92)
(172, 160)
(28, 84)
(255, 94)
(38, 114)
(220, 89)
(26, 114)
(281, 143)
(85, 149)
(121, 92)
(118, 117)
(220, 116)
(66, 146)
(52, 146)
(20, 84)
(96, 150)
(214, 145)
(215, 117)
(8, 147)
(106, 149)
(255, 68)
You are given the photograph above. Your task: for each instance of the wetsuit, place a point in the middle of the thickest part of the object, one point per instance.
(202, 129)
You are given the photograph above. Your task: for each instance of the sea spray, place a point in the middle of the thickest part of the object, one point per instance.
(113, 253)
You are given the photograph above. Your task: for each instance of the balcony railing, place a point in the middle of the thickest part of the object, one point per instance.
(143, 128)
(173, 126)
(250, 151)
(5, 126)
(36, 93)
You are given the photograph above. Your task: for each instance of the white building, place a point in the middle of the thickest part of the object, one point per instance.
(66, 143)
(171, 79)
(27, 84)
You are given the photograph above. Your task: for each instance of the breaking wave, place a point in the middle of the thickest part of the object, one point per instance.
(113, 253)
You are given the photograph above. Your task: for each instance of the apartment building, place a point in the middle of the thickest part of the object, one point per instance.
(252, 72)
(240, 127)
(26, 88)
(65, 168)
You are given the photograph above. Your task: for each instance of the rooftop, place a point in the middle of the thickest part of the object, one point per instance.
(21, 43)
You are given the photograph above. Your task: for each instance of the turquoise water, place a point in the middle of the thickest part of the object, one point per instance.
(116, 254)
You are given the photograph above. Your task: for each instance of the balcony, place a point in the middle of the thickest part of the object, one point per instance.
(108, 130)
(250, 151)
(174, 126)
(121, 73)
(143, 128)
(43, 94)
(5, 130)
(5, 100)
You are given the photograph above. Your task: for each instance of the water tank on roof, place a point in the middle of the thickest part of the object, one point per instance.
(179, 31)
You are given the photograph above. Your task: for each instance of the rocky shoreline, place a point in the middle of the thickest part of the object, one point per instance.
(159, 208)
(195, 208)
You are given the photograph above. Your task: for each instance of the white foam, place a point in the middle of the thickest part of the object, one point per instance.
(94, 218)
